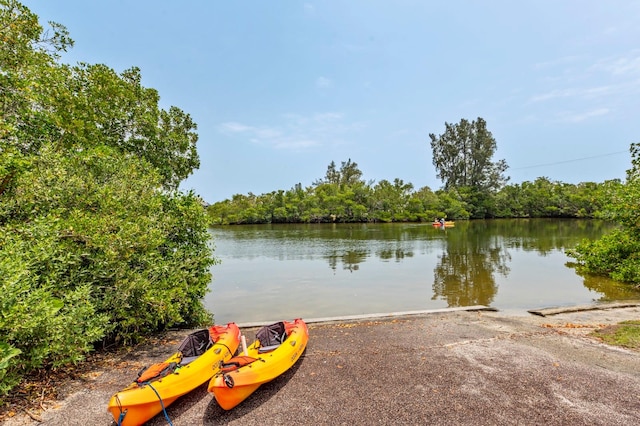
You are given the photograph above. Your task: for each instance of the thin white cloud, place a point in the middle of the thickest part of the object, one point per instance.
(233, 127)
(267, 133)
(296, 131)
(628, 64)
(296, 144)
(576, 117)
(559, 61)
(584, 81)
(327, 117)
(576, 92)
(324, 82)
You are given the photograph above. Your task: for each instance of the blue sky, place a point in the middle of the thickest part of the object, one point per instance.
(279, 89)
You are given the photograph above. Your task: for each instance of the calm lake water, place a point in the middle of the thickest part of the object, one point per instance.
(273, 272)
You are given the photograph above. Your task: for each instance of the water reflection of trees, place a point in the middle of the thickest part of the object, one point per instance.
(544, 235)
(350, 260)
(397, 254)
(607, 288)
(465, 274)
(359, 242)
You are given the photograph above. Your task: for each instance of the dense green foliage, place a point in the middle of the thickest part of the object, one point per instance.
(618, 254)
(358, 201)
(74, 107)
(342, 196)
(96, 244)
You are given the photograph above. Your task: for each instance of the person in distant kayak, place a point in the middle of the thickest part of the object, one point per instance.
(442, 221)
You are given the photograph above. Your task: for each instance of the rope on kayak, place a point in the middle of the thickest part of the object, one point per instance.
(164, 411)
(122, 413)
(216, 343)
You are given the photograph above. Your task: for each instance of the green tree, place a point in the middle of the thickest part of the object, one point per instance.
(29, 76)
(44, 101)
(348, 175)
(541, 198)
(618, 254)
(108, 209)
(116, 110)
(391, 201)
(508, 202)
(95, 243)
(423, 204)
(92, 250)
(462, 156)
(331, 176)
(451, 205)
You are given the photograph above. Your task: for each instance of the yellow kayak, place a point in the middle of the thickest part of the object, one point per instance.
(198, 358)
(447, 224)
(276, 349)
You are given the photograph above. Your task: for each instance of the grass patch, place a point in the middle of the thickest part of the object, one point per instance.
(625, 334)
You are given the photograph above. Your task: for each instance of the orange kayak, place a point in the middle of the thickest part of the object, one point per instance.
(447, 224)
(198, 359)
(265, 359)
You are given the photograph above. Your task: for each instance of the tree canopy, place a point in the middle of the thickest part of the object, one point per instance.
(462, 156)
(44, 101)
(348, 175)
(97, 246)
(617, 254)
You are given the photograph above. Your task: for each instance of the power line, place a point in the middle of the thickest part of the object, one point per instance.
(568, 161)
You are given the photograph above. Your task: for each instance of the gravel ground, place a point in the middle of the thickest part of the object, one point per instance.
(466, 368)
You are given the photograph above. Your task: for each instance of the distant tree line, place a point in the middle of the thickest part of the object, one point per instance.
(342, 196)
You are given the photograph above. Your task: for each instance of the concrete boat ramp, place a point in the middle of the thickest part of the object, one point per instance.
(453, 367)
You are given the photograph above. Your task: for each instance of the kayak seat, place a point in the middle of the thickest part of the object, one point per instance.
(194, 345)
(186, 360)
(271, 336)
(265, 349)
